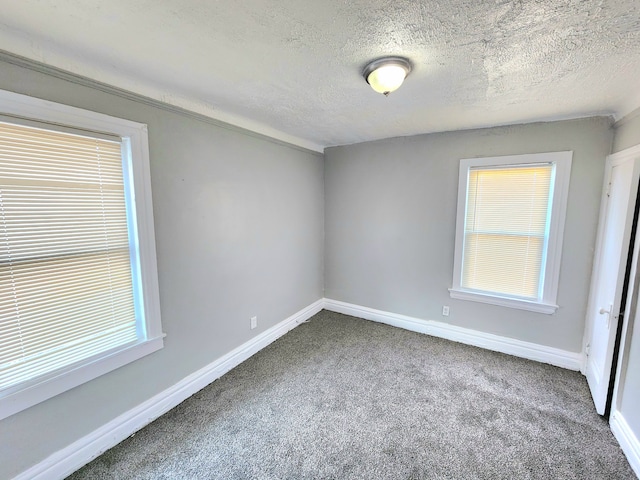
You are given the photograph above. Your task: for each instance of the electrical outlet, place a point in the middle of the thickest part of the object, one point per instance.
(445, 310)
(254, 322)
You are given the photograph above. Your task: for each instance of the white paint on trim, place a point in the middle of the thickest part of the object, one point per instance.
(593, 373)
(585, 359)
(135, 151)
(537, 307)
(550, 272)
(69, 459)
(627, 439)
(511, 346)
(632, 114)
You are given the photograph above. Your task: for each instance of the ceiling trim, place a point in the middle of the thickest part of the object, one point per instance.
(627, 118)
(240, 125)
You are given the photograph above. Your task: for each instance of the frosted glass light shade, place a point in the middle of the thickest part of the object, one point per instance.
(387, 74)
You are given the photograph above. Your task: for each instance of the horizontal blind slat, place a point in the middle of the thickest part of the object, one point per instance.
(66, 289)
(64, 357)
(505, 229)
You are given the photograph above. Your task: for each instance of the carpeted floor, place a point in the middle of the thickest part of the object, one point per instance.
(344, 398)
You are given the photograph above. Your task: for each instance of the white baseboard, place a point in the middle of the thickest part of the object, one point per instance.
(518, 348)
(627, 439)
(74, 456)
(69, 459)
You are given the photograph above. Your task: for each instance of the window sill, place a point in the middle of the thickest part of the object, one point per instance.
(88, 369)
(546, 308)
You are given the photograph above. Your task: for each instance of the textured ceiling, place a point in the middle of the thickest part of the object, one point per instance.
(291, 68)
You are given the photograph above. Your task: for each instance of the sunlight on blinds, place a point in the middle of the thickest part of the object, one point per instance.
(65, 275)
(506, 229)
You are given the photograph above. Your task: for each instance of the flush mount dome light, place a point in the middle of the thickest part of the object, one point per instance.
(385, 75)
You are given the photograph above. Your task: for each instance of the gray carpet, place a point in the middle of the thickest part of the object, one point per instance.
(344, 398)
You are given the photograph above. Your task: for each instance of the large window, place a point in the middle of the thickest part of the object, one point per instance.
(509, 229)
(78, 281)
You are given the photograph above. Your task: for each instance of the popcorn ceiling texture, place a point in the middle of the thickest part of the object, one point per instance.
(293, 66)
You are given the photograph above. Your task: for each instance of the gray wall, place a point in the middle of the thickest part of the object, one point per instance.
(390, 212)
(627, 134)
(239, 228)
(239, 232)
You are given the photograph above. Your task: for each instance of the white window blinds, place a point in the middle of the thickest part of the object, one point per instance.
(506, 229)
(65, 270)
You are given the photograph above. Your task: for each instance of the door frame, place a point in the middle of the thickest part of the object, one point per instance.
(620, 300)
(627, 438)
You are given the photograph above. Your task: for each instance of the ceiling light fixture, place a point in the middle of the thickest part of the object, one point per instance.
(385, 75)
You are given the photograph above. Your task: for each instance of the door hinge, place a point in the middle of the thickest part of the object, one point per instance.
(587, 349)
(609, 189)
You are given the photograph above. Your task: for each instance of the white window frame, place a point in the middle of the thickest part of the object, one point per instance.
(135, 136)
(551, 267)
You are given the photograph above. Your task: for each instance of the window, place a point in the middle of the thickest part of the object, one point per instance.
(509, 228)
(78, 278)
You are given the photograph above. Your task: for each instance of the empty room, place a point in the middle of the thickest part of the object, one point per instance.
(319, 240)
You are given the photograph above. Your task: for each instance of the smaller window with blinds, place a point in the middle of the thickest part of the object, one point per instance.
(77, 282)
(509, 230)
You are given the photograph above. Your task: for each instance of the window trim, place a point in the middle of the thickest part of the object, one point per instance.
(551, 269)
(136, 136)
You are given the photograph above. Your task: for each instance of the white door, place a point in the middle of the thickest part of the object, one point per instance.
(607, 281)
